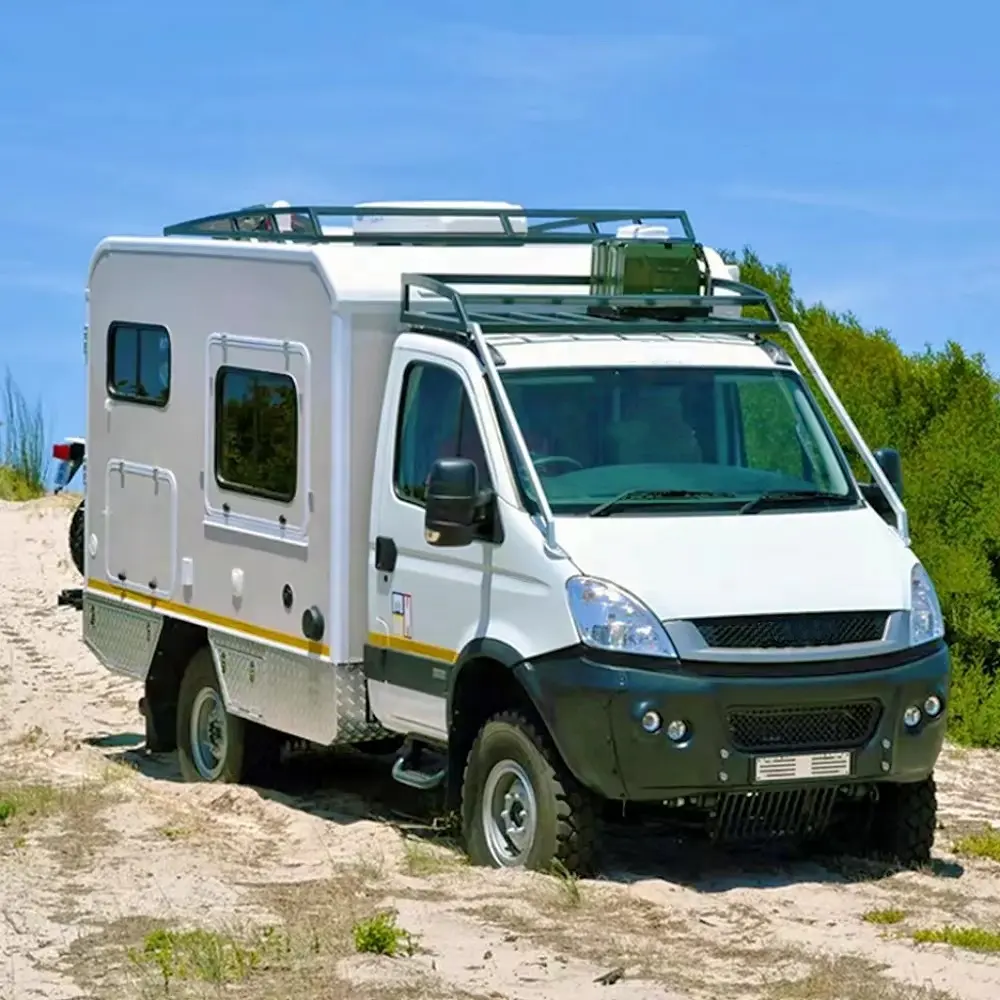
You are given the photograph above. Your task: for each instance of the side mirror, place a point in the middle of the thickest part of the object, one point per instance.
(891, 464)
(452, 502)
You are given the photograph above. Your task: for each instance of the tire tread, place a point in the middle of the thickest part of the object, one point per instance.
(907, 820)
(576, 835)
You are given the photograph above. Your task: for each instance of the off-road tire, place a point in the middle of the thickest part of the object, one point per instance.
(199, 674)
(77, 537)
(566, 834)
(904, 822)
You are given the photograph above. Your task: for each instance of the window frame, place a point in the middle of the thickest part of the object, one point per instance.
(141, 328)
(244, 488)
(465, 405)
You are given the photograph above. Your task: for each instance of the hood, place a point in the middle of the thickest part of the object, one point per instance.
(685, 566)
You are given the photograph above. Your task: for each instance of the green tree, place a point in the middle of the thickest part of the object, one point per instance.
(941, 409)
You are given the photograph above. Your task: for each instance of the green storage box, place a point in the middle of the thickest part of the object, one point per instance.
(646, 267)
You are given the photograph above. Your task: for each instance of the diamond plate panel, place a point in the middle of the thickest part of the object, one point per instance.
(123, 638)
(295, 694)
(353, 723)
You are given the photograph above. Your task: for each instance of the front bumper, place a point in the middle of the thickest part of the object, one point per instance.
(593, 706)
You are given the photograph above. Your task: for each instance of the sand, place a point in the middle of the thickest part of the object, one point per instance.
(119, 881)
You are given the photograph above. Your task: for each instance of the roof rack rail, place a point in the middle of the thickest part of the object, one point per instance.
(445, 309)
(515, 225)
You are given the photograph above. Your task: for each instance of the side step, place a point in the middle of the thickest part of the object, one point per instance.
(72, 596)
(408, 771)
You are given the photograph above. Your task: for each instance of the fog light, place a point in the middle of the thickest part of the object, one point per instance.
(911, 717)
(652, 721)
(933, 706)
(676, 730)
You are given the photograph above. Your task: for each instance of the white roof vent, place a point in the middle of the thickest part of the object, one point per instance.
(488, 222)
(640, 231)
(284, 220)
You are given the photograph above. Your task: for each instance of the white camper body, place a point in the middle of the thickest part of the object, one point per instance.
(264, 445)
(161, 540)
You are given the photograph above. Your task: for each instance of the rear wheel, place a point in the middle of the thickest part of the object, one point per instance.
(77, 540)
(904, 822)
(520, 807)
(211, 743)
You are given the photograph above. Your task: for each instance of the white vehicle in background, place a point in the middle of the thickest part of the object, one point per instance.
(536, 500)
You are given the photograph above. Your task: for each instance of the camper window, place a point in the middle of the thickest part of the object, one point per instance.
(435, 421)
(139, 363)
(256, 432)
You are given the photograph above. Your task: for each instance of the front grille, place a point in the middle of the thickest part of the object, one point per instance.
(821, 727)
(760, 816)
(834, 628)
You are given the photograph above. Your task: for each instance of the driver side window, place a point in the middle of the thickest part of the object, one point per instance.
(436, 420)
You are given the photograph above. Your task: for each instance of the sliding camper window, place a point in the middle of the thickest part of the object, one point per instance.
(256, 432)
(435, 421)
(139, 363)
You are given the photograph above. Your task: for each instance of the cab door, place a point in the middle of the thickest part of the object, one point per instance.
(424, 603)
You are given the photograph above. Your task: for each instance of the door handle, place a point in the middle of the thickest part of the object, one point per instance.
(385, 554)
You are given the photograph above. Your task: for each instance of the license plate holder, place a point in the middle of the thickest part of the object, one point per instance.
(803, 767)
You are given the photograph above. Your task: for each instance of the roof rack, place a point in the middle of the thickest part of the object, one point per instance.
(447, 310)
(516, 225)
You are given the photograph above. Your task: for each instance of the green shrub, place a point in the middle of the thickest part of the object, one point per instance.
(941, 410)
(23, 459)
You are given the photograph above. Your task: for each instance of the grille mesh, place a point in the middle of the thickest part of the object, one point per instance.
(793, 631)
(823, 727)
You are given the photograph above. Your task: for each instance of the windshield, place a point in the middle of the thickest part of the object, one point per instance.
(656, 439)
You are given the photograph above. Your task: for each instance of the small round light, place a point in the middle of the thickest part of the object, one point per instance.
(677, 729)
(652, 721)
(933, 706)
(912, 716)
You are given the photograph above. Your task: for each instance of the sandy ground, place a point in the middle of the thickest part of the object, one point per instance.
(118, 881)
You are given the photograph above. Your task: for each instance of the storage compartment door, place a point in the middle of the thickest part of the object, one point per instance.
(140, 528)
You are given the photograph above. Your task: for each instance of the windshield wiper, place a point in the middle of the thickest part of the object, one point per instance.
(620, 502)
(776, 498)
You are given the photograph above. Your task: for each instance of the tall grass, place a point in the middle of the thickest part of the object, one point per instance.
(22, 445)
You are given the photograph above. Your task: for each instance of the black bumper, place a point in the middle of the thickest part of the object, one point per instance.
(593, 705)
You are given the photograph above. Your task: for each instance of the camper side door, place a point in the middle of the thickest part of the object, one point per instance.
(424, 602)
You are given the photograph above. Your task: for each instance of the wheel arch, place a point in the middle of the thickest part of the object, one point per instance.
(178, 643)
(489, 676)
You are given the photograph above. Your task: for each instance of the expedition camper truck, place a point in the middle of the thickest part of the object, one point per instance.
(544, 505)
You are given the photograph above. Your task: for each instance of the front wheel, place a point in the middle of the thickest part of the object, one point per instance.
(904, 822)
(520, 807)
(211, 743)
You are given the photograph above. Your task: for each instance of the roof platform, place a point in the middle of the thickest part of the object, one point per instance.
(435, 303)
(434, 224)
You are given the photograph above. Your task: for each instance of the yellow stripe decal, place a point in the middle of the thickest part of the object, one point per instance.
(400, 644)
(208, 617)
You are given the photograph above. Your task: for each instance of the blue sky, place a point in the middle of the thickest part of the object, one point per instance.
(856, 142)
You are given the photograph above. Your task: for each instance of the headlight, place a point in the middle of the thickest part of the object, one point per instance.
(608, 617)
(926, 620)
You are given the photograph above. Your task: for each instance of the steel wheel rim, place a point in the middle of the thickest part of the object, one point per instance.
(509, 814)
(209, 736)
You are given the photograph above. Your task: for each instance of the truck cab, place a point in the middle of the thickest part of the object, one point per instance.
(719, 621)
(559, 515)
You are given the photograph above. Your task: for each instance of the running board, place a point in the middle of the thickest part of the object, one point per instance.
(407, 771)
(71, 597)
(422, 780)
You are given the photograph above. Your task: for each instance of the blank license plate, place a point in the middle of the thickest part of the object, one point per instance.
(796, 767)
